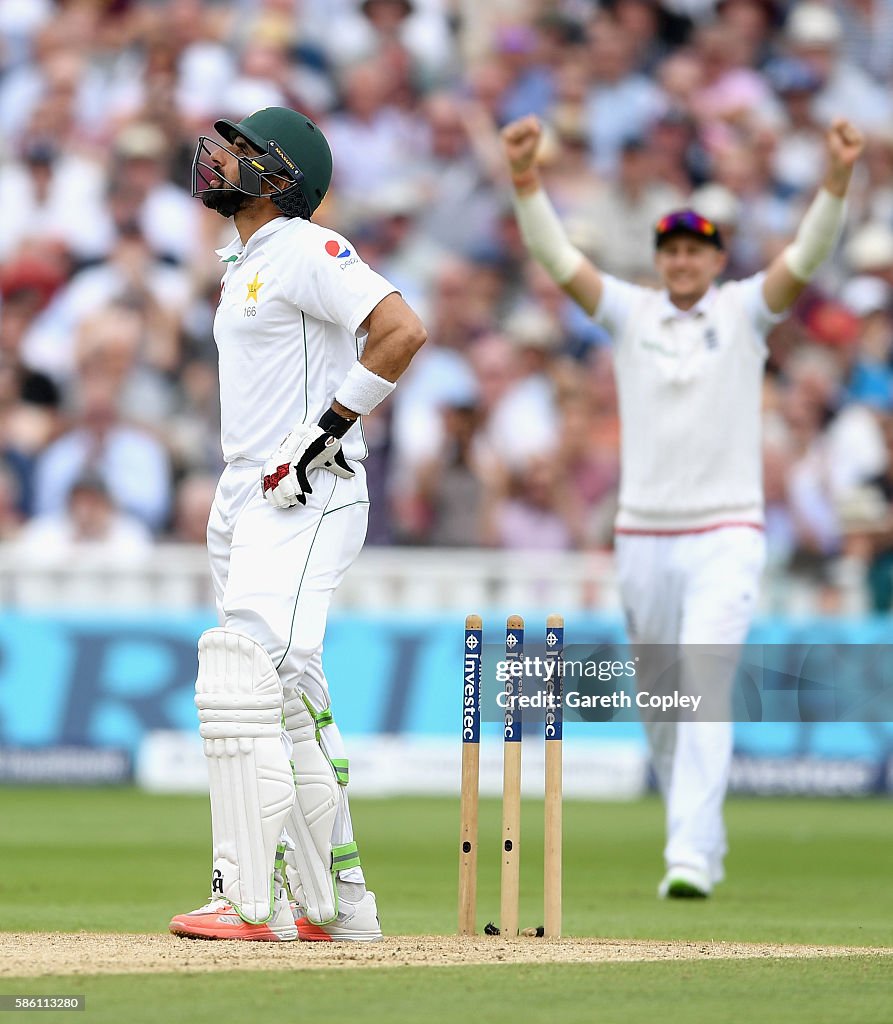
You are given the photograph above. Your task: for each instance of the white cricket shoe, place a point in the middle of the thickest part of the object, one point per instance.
(218, 919)
(356, 922)
(684, 882)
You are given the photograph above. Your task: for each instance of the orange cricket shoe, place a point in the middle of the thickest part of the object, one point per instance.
(218, 919)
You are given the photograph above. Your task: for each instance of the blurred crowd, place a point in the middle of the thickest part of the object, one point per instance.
(504, 432)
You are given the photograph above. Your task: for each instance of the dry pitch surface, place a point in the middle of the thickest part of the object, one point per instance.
(35, 954)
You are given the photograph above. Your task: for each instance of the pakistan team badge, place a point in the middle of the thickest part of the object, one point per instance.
(253, 288)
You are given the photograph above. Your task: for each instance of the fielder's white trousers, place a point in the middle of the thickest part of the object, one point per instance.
(693, 589)
(274, 573)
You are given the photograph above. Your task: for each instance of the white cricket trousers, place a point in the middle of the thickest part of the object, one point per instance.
(693, 589)
(274, 573)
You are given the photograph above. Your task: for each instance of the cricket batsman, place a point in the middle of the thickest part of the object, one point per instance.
(310, 339)
(688, 361)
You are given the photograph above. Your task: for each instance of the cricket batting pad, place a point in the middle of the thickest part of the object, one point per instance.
(239, 699)
(312, 818)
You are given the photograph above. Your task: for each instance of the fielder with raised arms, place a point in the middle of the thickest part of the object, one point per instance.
(689, 362)
(310, 339)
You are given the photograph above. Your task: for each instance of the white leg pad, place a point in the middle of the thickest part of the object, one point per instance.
(312, 819)
(239, 699)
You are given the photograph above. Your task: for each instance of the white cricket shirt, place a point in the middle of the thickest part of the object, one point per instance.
(690, 392)
(287, 330)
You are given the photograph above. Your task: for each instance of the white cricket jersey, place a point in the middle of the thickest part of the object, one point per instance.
(291, 304)
(690, 393)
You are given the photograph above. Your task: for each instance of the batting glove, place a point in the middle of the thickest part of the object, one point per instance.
(286, 474)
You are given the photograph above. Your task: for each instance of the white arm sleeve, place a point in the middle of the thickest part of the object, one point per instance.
(816, 236)
(545, 237)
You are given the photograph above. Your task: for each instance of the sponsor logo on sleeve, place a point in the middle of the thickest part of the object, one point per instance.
(334, 248)
(341, 252)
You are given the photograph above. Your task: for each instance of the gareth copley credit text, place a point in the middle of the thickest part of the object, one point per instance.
(618, 699)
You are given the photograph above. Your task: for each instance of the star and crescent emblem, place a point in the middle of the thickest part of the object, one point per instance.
(253, 288)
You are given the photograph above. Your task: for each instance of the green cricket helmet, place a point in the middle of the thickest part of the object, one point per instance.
(293, 156)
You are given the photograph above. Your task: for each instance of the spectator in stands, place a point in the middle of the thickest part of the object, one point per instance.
(642, 20)
(89, 530)
(797, 159)
(29, 400)
(19, 23)
(621, 102)
(137, 351)
(51, 197)
(808, 403)
(267, 74)
(370, 135)
(870, 251)
(394, 242)
(195, 495)
(451, 486)
(678, 157)
(780, 524)
(376, 28)
(867, 35)
(163, 212)
(752, 23)
(870, 300)
(205, 63)
(730, 91)
(133, 465)
(589, 442)
(193, 428)
(442, 367)
(767, 217)
(564, 159)
(814, 34)
(524, 57)
(524, 420)
(866, 515)
(454, 175)
(873, 200)
(532, 508)
(622, 214)
(132, 276)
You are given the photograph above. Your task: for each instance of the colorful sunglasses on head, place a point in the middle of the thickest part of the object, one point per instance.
(687, 222)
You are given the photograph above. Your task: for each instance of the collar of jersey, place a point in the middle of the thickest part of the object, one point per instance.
(700, 308)
(230, 253)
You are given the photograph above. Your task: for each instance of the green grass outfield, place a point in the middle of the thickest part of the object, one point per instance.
(846, 991)
(800, 871)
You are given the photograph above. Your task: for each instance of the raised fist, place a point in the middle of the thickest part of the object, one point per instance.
(520, 140)
(845, 142)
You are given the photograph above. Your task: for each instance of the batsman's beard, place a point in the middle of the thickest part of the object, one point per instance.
(227, 202)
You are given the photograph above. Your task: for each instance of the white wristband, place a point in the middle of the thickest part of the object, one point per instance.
(362, 390)
(545, 237)
(816, 236)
